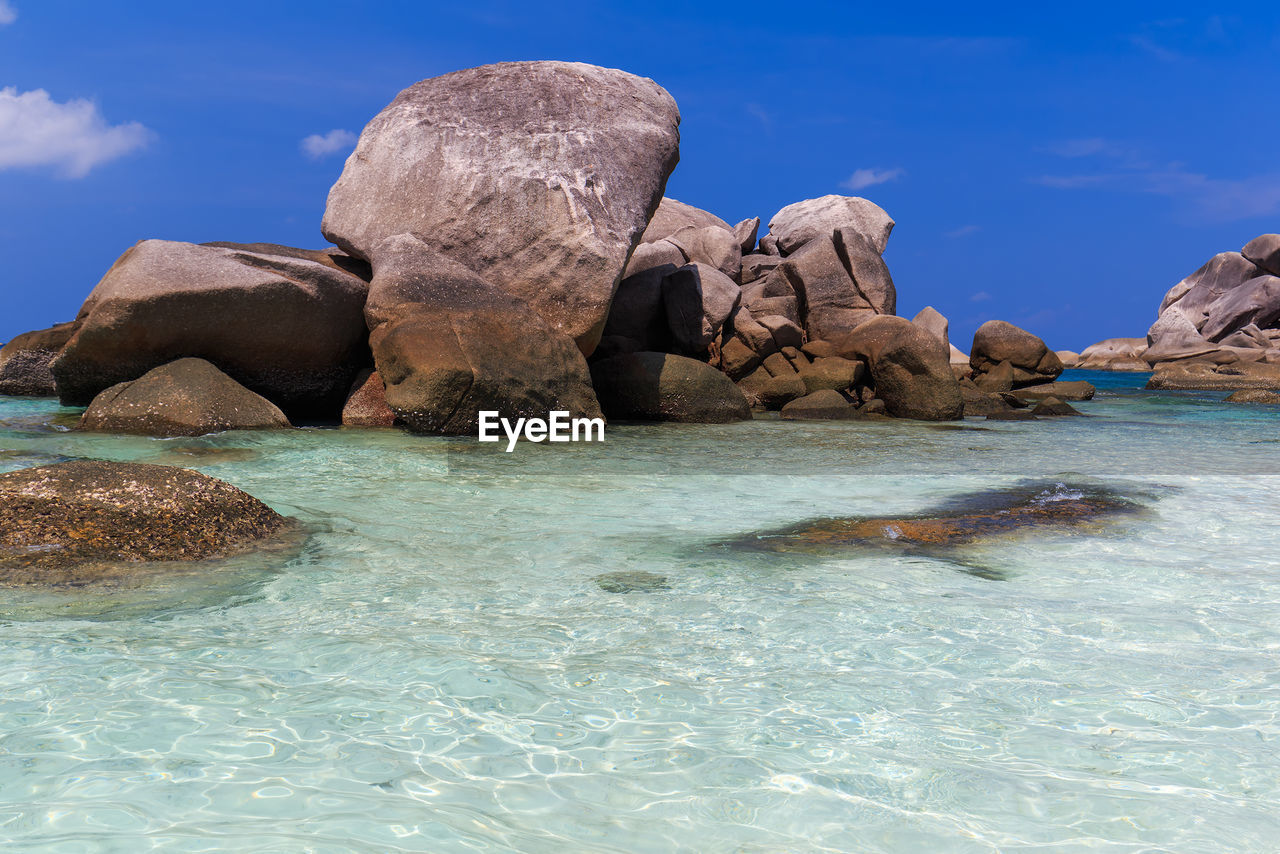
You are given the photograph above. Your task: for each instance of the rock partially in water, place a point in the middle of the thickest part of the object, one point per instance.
(970, 519)
(1254, 395)
(79, 522)
(632, 582)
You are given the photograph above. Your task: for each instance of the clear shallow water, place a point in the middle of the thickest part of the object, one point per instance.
(440, 669)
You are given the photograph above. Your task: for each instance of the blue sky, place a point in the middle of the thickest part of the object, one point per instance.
(1059, 168)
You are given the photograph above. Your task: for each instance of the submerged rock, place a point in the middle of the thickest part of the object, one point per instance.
(1205, 376)
(969, 519)
(636, 581)
(1254, 395)
(77, 522)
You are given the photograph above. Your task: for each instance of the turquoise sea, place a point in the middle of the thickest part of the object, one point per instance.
(444, 668)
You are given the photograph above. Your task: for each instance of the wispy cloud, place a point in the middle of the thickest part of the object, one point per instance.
(318, 146)
(761, 115)
(8, 14)
(980, 296)
(36, 130)
(863, 178)
(1118, 167)
(962, 231)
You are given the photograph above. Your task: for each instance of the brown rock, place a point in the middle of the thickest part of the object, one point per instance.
(997, 341)
(76, 522)
(821, 405)
(798, 223)
(449, 345)
(909, 369)
(672, 216)
(24, 361)
(664, 387)
(1053, 408)
(188, 397)
(366, 406)
(286, 327)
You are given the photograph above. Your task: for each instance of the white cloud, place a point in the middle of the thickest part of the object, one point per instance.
(36, 130)
(870, 177)
(8, 14)
(1121, 168)
(980, 296)
(317, 145)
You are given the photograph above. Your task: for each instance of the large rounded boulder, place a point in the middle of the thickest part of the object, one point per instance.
(189, 397)
(798, 223)
(651, 386)
(448, 344)
(540, 177)
(997, 341)
(78, 521)
(286, 323)
(910, 368)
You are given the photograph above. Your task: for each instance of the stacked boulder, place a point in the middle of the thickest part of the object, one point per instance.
(1009, 367)
(770, 313)
(502, 242)
(1227, 312)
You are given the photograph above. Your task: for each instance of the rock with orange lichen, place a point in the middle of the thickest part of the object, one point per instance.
(76, 522)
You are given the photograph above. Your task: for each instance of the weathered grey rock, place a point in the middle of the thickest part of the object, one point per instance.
(660, 253)
(745, 233)
(909, 369)
(1068, 358)
(1115, 354)
(1051, 407)
(772, 295)
(710, 246)
(1174, 336)
(867, 269)
(831, 304)
(665, 387)
(538, 176)
(751, 332)
(698, 300)
(1255, 301)
(672, 216)
(1206, 376)
(798, 223)
(822, 405)
(769, 245)
(81, 521)
(930, 319)
(1069, 390)
(1248, 335)
(1264, 251)
(24, 361)
(756, 267)
(448, 345)
(286, 327)
(997, 341)
(958, 357)
(1220, 274)
(366, 405)
(187, 397)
